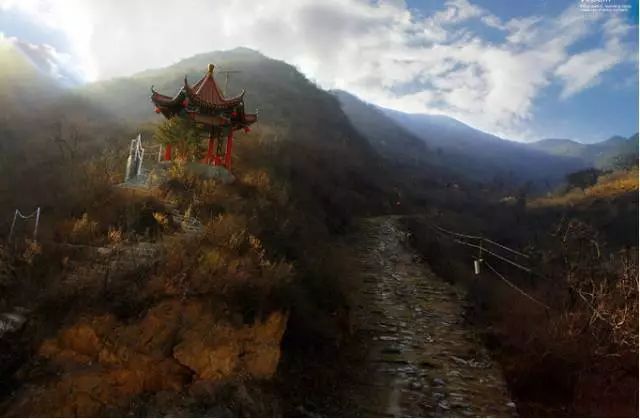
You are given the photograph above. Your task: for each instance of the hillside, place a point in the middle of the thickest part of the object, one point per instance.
(262, 260)
(608, 186)
(484, 155)
(481, 156)
(611, 205)
(391, 167)
(602, 155)
(385, 135)
(282, 95)
(42, 127)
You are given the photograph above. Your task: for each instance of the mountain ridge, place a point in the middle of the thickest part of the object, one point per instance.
(286, 99)
(603, 155)
(474, 154)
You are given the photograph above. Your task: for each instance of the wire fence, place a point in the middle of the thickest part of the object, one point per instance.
(18, 215)
(489, 248)
(481, 246)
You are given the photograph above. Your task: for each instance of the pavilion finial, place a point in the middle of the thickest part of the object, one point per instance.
(210, 68)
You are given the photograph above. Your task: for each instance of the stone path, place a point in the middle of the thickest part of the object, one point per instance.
(419, 357)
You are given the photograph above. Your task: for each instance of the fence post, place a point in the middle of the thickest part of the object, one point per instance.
(35, 229)
(13, 224)
(139, 172)
(130, 163)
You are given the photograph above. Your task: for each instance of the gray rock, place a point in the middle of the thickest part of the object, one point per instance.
(438, 396)
(444, 405)
(438, 381)
(415, 385)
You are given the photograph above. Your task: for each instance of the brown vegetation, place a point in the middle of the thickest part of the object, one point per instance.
(211, 314)
(580, 356)
(607, 186)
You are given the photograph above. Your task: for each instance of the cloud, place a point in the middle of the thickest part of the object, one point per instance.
(583, 70)
(378, 50)
(46, 60)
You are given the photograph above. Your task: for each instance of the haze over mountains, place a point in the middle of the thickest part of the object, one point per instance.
(482, 156)
(300, 111)
(600, 155)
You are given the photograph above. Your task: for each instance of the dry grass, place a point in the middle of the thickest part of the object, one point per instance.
(608, 186)
(578, 358)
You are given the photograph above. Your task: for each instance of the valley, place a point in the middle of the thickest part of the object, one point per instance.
(310, 282)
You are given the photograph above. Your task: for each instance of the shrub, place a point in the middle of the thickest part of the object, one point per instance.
(226, 262)
(181, 133)
(583, 178)
(84, 230)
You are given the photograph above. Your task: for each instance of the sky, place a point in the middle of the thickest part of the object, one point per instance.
(520, 69)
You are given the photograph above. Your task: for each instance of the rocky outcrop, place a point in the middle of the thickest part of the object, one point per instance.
(103, 363)
(217, 352)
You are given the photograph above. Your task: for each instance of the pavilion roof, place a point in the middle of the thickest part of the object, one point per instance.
(204, 103)
(206, 92)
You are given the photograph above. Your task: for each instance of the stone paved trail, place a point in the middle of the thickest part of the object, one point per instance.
(420, 359)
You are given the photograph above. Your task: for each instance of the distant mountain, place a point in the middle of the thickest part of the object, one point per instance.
(388, 137)
(442, 131)
(484, 155)
(454, 146)
(601, 155)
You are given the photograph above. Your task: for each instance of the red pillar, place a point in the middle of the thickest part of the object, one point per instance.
(167, 152)
(227, 153)
(209, 158)
(216, 156)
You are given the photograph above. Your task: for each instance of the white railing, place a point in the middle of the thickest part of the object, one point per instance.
(17, 214)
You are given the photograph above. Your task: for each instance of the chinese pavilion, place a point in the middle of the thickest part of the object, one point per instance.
(218, 116)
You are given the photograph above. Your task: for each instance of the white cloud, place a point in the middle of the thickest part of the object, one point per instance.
(371, 48)
(583, 70)
(46, 59)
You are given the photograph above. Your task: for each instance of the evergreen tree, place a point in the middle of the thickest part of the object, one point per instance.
(182, 134)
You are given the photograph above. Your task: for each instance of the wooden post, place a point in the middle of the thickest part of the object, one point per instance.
(167, 152)
(227, 153)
